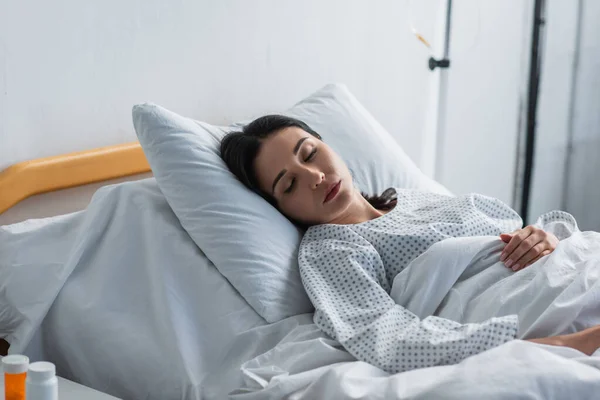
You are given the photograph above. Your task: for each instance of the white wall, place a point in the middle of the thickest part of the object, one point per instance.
(484, 92)
(558, 53)
(583, 180)
(569, 107)
(71, 70)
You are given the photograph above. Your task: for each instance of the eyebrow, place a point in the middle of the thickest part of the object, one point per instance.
(282, 173)
(299, 144)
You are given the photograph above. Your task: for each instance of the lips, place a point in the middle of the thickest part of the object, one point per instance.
(332, 191)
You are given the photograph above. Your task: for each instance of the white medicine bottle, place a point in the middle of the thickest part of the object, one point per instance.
(41, 382)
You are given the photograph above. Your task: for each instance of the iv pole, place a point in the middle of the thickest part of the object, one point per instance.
(443, 64)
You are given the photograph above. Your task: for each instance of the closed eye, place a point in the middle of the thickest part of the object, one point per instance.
(293, 181)
(311, 155)
(289, 189)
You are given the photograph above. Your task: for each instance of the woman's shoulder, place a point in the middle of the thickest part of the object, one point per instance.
(327, 231)
(332, 236)
(331, 241)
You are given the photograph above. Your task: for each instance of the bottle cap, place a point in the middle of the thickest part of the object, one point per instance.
(15, 364)
(41, 371)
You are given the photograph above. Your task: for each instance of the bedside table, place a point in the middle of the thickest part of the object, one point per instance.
(68, 390)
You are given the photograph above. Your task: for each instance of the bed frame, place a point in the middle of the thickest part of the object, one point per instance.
(28, 178)
(42, 175)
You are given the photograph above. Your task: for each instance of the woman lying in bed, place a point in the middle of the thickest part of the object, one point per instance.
(356, 245)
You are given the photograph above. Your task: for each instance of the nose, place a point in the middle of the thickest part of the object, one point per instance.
(316, 178)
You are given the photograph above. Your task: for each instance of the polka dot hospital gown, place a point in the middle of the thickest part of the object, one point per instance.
(347, 271)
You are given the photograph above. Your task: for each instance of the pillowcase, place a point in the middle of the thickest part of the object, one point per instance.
(248, 240)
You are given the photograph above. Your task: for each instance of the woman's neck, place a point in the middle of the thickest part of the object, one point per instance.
(359, 210)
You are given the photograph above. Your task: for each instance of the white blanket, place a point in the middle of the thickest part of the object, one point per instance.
(122, 300)
(464, 280)
(315, 369)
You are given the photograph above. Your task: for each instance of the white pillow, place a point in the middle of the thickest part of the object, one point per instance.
(249, 241)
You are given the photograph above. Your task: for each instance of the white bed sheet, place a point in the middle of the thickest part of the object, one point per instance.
(462, 279)
(312, 368)
(123, 301)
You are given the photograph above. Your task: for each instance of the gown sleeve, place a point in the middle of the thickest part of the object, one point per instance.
(346, 282)
(560, 223)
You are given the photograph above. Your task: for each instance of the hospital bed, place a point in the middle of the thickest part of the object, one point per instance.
(73, 175)
(122, 300)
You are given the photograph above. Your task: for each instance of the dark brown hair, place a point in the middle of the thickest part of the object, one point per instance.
(239, 150)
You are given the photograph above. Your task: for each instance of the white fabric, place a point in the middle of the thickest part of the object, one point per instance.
(122, 300)
(143, 314)
(224, 218)
(559, 294)
(251, 243)
(515, 370)
(33, 271)
(348, 272)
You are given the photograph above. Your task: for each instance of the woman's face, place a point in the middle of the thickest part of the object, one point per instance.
(310, 182)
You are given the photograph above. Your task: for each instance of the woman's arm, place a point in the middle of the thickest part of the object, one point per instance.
(586, 341)
(346, 281)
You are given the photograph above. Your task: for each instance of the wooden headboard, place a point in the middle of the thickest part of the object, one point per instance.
(42, 175)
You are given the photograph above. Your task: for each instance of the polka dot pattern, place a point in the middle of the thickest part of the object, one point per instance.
(560, 223)
(347, 271)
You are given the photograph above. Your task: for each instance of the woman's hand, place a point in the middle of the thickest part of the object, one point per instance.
(526, 246)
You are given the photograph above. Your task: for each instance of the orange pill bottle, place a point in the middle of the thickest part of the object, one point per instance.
(14, 368)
